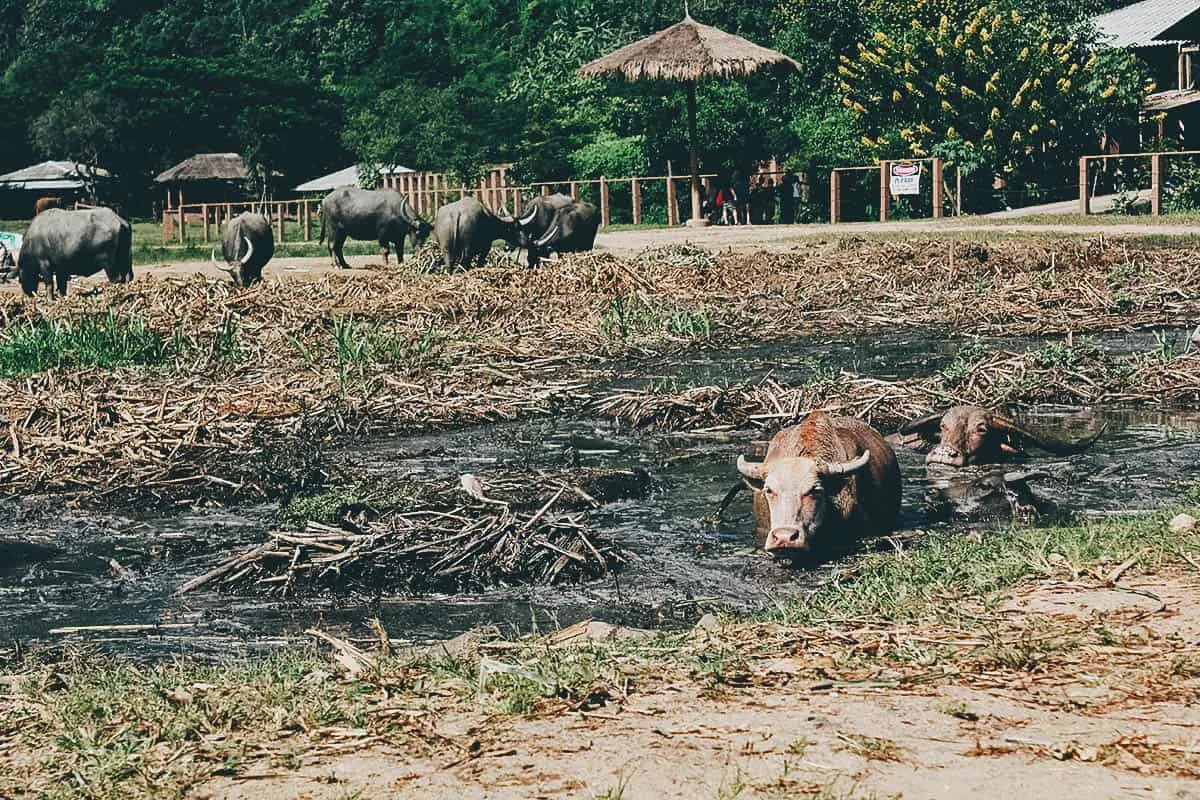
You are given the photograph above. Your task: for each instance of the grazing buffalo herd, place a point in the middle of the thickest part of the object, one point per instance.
(60, 244)
(824, 482)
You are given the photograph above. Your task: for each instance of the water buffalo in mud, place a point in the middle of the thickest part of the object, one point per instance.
(966, 435)
(465, 231)
(247, 245)
(60, 244)
(379, 214)
(46, 203)
(826, 481)
(557, 224)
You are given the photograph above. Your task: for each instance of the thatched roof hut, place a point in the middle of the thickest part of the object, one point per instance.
(686, 51)
(206, 178)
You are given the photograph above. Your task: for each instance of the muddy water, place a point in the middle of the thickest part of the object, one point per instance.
(61, 568)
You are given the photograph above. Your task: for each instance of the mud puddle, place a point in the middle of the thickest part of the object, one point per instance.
(63, 569)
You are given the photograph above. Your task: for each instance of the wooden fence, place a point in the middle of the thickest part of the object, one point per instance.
(884, 169)
(427, 192)
(1156, 175)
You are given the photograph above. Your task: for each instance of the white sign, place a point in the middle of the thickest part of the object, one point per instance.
(905, 178)
(10, 247)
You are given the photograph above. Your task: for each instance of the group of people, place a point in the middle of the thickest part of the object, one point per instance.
(742, 199)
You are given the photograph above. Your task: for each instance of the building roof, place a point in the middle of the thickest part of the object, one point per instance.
(52, 175)
(345, 177)
(1145, 24)
(206, 167)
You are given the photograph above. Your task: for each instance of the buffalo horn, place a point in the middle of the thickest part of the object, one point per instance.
(923, 426)
(249, 251)
(846, 467)
(217, 264)
(549, 237)
(528, 218)
(753, 471)
(503, 215)
(1046, 441)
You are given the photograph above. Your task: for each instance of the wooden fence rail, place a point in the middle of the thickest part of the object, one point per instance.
(1156, 175)
(426, 196)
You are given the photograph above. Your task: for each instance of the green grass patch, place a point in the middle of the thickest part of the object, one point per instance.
(637, 319)
(100, 340)
(929, 581)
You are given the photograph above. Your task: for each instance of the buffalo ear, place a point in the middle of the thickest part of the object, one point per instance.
(926, 427)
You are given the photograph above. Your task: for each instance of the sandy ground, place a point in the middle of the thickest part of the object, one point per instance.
(1081, 736)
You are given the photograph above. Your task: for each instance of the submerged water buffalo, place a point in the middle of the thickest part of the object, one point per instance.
(826, 481)
(966, 435)
(60, 244)
(465, 231)
(382, 215)
(246, 246)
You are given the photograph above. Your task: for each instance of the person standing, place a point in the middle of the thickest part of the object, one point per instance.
(789, 198)
(741, 197)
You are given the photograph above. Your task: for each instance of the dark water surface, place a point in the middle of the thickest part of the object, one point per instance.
(62, 568)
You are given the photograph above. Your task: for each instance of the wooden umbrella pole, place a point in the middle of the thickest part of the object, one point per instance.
(695, 159)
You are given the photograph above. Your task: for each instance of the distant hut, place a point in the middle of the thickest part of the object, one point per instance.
(20, 190)
(348, 177)
(205, 178)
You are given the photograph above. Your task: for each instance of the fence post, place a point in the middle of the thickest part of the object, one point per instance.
(672, 205)
(1084, 205)
(182, 235)
(937, 188)
(957, 191)
(1156, 184)
(605, 219)
(635, 191)
(574, 190)
(884, 197)
(282, 209)
(204, 214)
(835, 197)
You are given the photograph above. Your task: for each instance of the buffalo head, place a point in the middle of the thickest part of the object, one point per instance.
(236, 269)
(799, 492)
(966, 435)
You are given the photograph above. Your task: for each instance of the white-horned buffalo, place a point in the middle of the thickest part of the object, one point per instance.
(60, 244)
(381, 215)
(967, 435)
(465, 230)
(557, 224)
(825, 482)
(247, 245)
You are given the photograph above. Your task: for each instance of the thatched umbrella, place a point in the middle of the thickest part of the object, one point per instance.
(688, 52)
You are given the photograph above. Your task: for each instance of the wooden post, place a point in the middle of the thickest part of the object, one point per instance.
(574, 190)
(835, 197)
(635, 191)
(1084, 204)
(281, 208)
(672, 205)
(182, 235)
(1156, 184)
(545, 190)
(937, 188)
(884, 190)
(204, 216)
(605, 219)
(958, 191)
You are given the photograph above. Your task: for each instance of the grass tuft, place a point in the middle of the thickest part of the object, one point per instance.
(99, 340)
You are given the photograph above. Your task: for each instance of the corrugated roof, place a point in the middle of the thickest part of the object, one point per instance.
(51, 175)
(1141, 24)
(345, 177)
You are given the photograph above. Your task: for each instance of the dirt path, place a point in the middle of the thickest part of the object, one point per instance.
(1005, 734)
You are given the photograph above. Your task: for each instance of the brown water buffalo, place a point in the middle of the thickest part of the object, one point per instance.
(828, 480)
(966, 435)
(46, 203)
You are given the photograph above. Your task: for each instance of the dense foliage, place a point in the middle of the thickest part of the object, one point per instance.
(1001, 86)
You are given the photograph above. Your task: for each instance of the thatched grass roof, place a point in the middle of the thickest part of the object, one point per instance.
(687, 51)
(206, 167)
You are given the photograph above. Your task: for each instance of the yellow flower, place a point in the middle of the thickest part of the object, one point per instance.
(951, 133)
(880, 37)
(941, 53)
(1035, 105)
(866, 140)
(896, 96)
(1054, 123)
(1016, 136)
(1034, 128)
(906, 134)
(1017, 100)
(946, 106)
(995, 115)
(1024, 52)
(847, 102)
(858, 108)
(923, 128)
(1109, 92)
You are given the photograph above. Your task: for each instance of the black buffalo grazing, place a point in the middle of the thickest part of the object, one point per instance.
(247, 246)
(465, 231)
(383, 215)
(60, 244)
(572, 230)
